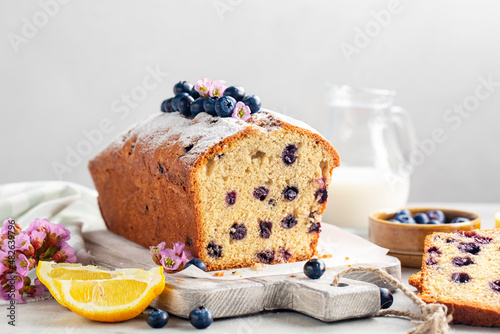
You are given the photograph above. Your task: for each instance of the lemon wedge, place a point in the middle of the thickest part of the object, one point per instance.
(497, 219)
(100, 294)
(47, 271)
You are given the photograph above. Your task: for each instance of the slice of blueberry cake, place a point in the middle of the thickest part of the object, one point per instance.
(462, 271)
(236, 192)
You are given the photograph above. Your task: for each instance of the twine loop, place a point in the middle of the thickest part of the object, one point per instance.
(433, 318)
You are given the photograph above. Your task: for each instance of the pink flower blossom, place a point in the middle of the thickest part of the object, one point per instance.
(11, 291)
(178, 247)
(241, 111)
(39, 225)
(14, 228)
(217, 88)
(57, 233)
(66, 254)
(203, 86)
(4, 265)
(37, 238)
(7, 294)
(22, 264)
(155, 252)
(169, 260)
(23, 244)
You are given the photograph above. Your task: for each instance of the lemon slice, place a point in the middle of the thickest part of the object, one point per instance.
(102, 295)
(497, 218)
(47, 271)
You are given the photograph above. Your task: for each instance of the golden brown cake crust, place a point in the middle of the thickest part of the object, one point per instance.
(475, 312)
(159, 200)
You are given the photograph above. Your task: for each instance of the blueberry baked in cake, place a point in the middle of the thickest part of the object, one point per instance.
(462, 271)
(238, 184)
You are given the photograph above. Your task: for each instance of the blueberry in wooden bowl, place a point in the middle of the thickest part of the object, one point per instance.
(403, 231)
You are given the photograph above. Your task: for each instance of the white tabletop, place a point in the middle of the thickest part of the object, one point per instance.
(50, 317)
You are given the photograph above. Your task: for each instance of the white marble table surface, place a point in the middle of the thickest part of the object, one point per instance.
(50, 317)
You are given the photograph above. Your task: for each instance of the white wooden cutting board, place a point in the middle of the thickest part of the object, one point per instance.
(357, 296)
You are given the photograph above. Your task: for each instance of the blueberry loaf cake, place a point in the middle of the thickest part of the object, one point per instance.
(235, 192)
(462, 271)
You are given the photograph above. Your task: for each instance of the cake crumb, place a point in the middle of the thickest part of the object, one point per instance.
(235, 273)
(219, 274)
(258, 266)
(347, 258)
(292, 276)
(325, 256)
(349, 266)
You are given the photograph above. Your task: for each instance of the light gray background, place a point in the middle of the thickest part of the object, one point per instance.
(70, 75)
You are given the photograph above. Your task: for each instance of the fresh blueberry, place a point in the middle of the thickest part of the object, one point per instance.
(290, 193)
(224, 106)
(314, 268)
(157, 318)
(238, 231)
(265, 229)
(197, 263)
(460, 277)
(177, 98)
(433, 222)
(437, 215)
(405, 219)
(166, 105)
(261, 193)
(185, 105)
(197, 106)
(236, 92)
(209, 105)
(289, 221)
(289, 154)
(201, 317)
(421, 218)
(182, 87)
(194, 93)
(386, 298)
(402, 212)
(253, 102)
(460, 220)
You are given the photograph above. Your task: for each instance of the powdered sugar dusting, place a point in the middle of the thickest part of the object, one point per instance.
(199, 133)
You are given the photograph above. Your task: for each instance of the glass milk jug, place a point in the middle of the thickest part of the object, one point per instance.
(374, 140)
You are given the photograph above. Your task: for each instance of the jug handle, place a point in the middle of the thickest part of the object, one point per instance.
(406, 134)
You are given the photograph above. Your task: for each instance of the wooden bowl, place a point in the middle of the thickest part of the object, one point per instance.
(405, 241)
